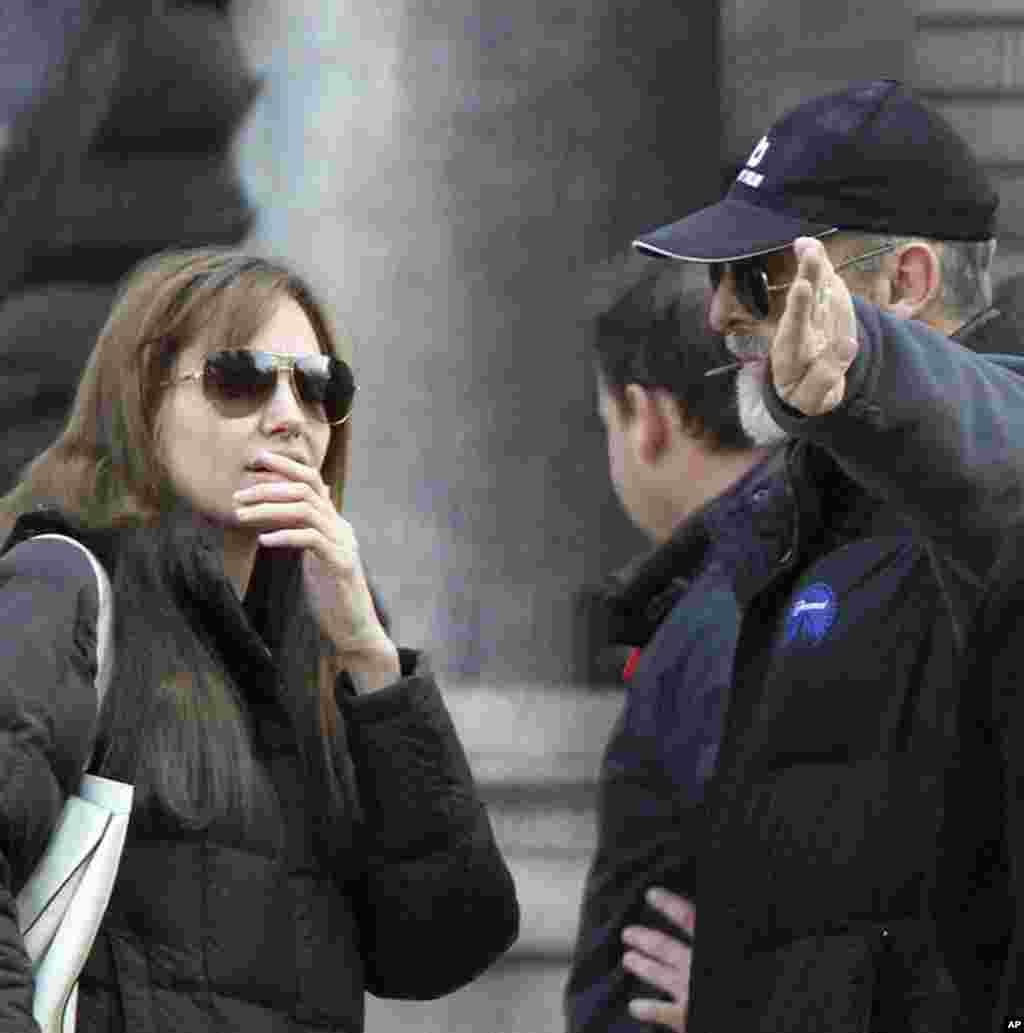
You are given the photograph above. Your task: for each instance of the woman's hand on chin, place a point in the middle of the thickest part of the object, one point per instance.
(297, 512)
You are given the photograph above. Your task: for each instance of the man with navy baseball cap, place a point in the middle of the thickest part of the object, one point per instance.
(900, 203)
(817, 902)
(871, 158)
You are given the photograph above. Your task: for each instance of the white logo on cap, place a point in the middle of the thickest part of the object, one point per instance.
(758, 153)
(755, 179)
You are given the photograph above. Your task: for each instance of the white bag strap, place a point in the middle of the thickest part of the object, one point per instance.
(105, 624)
(61, 906)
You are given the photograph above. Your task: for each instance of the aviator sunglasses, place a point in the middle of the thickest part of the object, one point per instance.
(239, 381)
(751, 279)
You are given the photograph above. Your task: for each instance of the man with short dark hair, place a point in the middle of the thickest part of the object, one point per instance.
(903, 467)
(688, 476)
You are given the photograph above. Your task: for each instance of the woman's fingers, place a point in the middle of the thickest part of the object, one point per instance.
(274, 505)
(292, 469)
(296, 511)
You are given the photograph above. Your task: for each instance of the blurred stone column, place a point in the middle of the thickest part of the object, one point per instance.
(33, 38)
(452, 176)
(119, 146)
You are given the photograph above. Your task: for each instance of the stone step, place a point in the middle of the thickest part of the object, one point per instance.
(532, 734)
(547, 841)
(932, 9)
(514, 996)
(536, 753)
(559, 822)
(550, 890)
(951, 14)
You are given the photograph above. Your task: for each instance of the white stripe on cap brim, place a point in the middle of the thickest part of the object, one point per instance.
(729, 231)
(650, 249)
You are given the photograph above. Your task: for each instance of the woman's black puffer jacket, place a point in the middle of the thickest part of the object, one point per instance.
(245, 929)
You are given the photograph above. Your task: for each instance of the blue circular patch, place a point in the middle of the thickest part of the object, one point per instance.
(811, 615)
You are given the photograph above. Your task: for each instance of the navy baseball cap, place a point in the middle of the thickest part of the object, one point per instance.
(871, 157)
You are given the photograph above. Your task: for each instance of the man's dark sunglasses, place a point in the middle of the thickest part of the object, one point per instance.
(239, 381)
(751, 278)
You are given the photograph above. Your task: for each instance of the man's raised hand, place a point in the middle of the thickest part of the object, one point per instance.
(816, 340)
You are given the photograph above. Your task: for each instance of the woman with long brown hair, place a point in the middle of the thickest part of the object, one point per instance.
(306, 825)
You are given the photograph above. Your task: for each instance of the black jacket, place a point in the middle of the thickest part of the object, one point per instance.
(678, 603)
(817, 881)
(979, 897)
(221, 930)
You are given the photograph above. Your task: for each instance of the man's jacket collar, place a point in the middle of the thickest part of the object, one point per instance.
(745, 526)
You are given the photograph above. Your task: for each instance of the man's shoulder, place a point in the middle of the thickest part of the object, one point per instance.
(637, 598)
(704, 620)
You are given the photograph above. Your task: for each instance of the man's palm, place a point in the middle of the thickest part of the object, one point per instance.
(817, 336)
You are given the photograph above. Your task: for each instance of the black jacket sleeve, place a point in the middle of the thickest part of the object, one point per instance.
(646, 842)
(437, 904)
(931, 428)
(48, 610)
(650, 802)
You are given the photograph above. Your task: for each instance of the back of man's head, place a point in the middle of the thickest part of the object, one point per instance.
(655, 334)
(964, 269)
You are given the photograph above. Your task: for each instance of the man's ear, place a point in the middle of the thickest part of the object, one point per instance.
(651, 420)
(916, 280)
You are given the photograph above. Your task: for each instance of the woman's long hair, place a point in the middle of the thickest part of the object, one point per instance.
(174, 721)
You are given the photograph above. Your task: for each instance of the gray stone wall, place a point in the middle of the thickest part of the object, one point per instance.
(776, 55)
(33, 38)
(970, 63)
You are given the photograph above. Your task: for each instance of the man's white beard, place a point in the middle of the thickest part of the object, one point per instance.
(755, 419)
